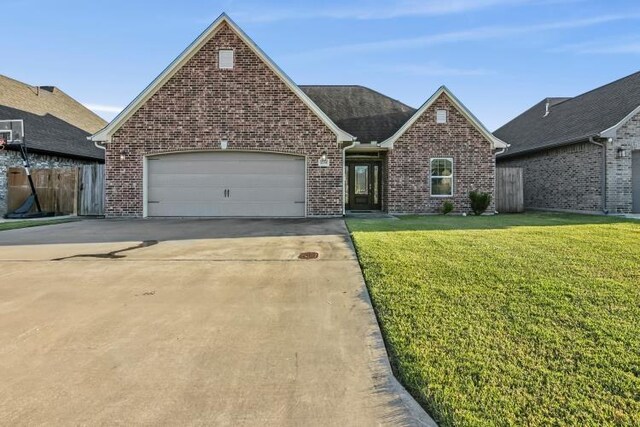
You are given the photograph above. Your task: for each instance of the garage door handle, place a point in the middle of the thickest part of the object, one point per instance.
(298, 202)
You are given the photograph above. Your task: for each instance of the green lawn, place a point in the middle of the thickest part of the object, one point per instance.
(12, 225)
(529, 319)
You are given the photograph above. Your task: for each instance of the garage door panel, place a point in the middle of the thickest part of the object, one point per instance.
(195, 184)
(257, 195)
(223, 181)
(230, 209)
(248, 195)
(186, 194)
(170, 165)
(224, 168)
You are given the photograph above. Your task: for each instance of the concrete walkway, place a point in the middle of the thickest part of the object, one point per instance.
(215, 322)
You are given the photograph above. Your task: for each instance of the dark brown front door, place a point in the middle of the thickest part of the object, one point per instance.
(363, 185)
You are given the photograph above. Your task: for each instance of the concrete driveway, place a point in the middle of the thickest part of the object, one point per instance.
(191, 322)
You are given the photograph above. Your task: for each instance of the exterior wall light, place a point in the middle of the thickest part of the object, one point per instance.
(621, 153)
(323, 161)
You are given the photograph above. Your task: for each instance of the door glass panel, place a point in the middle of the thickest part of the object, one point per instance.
(375, 184)
(361, 180)
(346, 185)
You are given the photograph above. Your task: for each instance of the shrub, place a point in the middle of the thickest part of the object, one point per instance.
(479, 202)
(447, 207)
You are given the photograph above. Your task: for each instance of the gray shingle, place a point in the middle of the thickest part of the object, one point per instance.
(54, 122)
(363, 112)
(571, 119)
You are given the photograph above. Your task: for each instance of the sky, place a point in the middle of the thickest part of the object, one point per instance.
(498, 56)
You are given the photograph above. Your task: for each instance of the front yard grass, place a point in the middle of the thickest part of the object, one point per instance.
(12, 225)
(529, 319)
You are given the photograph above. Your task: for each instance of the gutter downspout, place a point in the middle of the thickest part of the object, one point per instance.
(344, 155)
(604, 171)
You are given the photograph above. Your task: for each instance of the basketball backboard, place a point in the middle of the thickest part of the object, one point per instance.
(11, 131)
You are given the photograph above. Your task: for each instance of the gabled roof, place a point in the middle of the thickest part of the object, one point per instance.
(597, 113)
(106, 133)
(54, 122)
(363, 112)
(495, 142)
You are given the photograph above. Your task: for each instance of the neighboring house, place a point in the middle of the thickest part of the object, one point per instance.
(224, 132)
(56, 129)
(582, 153)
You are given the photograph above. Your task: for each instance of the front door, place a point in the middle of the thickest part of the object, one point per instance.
(363, 185)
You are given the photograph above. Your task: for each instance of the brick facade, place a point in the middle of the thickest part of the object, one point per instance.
(619, 169)
(567, 178)
(249, 106)
(10, 158)
(408, 163)
(570, 177)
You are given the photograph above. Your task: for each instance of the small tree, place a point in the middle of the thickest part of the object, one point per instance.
(447, 207)
(479, 202)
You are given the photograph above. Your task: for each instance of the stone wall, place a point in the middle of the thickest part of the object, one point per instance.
(10, 158)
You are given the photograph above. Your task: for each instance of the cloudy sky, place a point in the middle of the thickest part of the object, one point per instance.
(498, 56)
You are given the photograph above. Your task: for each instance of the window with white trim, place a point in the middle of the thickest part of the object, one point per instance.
(441, 177)
(225, 59)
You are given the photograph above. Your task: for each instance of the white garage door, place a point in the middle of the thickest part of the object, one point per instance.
(226, 184)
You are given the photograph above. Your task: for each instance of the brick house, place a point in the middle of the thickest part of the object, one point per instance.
(56, 128)
(222, 131)
(580, 154)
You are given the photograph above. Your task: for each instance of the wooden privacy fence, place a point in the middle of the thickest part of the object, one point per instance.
(91, 190)
(509, 190)
(70, 191)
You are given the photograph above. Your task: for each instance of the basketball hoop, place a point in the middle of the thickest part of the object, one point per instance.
(11, 133)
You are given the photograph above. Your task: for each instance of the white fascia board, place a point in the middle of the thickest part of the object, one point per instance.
(106, 133)
(613, 130)
(495, 142)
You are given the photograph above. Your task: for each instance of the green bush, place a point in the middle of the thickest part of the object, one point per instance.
(479, 202)
(447, 207)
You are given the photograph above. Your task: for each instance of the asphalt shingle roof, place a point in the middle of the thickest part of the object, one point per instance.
(363, 112)
(54, 122)
(571, 119)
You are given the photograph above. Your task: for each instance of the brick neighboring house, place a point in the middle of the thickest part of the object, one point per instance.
(222, 131)
(56, 128)
(580, 154)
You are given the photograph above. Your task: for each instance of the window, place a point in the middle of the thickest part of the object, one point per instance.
(441, 116)
(225, 59)
(441, 177)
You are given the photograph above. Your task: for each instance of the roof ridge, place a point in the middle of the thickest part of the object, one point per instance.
(363, 87)
(78, 103)
(542, 101)
(28, 85)
(605, 85)
(564, 99)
